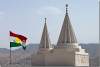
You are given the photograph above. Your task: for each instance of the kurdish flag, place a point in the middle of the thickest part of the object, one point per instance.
(17, 40)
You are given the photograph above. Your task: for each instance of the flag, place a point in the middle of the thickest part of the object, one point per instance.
(17, 40)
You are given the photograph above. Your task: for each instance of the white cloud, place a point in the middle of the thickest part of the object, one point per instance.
(49, 10)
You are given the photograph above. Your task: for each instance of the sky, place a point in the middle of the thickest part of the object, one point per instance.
(26, 17)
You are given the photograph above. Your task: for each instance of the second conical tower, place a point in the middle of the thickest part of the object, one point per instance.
(67, 35)
(45, 40)
(45, 44)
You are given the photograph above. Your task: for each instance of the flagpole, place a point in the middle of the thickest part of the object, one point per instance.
(10, 49)
(25, 58)
(24, 48)
(10, 56)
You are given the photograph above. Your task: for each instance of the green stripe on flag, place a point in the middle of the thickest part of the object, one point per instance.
(13, 44)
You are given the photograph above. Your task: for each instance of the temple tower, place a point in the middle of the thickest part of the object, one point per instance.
(67, 36)
(45, 44)
(67, 52)
(68, 47)
(39, 59)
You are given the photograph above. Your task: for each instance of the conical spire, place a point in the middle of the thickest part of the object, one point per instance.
(67, 34)
(45, 41)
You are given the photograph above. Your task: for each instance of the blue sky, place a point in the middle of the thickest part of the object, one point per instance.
(26, 17)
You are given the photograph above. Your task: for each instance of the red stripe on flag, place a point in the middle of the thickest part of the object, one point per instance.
(23, 38)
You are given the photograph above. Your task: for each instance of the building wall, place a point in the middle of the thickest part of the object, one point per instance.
(81, 60)
(61, 57)
(38, 60)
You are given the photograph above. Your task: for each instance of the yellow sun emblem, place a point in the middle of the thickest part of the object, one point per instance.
(17, 40)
